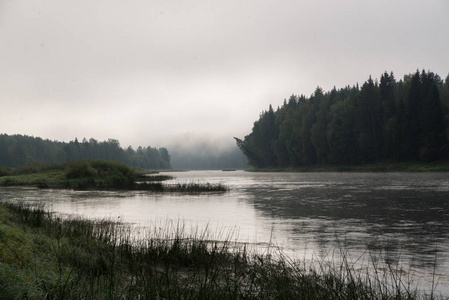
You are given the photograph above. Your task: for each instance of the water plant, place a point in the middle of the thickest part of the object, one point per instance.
(44, 255)
(145, 177)
(98, 175)
(188, 187)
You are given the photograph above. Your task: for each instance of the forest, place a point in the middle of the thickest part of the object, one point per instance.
(16, 150)
(384, 120)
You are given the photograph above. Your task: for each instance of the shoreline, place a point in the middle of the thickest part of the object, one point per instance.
(99, 175)
(384, 167)
(45, 255)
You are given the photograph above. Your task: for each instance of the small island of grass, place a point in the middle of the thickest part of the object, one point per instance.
(97, 175)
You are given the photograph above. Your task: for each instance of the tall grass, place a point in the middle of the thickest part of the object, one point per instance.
(46, 256)
(153, 178)
(97, 175)
(188, 187)
(82, 174)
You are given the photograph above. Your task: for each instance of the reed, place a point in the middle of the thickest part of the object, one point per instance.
(196, 187)
(47, 256)
(190, 187)
(152, 178)
(97, 175)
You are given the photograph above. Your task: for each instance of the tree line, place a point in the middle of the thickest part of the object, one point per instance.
(381, 121)
(16, 150)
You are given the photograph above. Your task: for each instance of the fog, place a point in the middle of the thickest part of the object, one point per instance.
(208, 158)
(192, 152)
(183, 74)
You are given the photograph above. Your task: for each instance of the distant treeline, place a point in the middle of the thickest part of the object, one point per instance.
(386, 120)
(17, 150)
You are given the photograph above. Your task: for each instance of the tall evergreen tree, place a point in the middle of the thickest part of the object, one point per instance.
(318, 132)
(368, 122)
(433, 129)
(387, 89)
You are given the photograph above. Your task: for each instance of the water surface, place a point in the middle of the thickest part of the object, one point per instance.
(400, 217)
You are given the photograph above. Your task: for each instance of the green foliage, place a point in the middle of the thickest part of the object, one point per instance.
(20, 150)
(77, 169)
(5, 171)
(405, 121)
(37, 167)
(100, 175)
(82, 174)
(45, 179)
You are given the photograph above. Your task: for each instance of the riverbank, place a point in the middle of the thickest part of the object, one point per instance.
(43, 255)
(97, 175)
(438, 166)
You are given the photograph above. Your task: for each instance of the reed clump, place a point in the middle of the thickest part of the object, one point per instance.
(189, 187)
(47, 256)
(96, 175)
(153, 178)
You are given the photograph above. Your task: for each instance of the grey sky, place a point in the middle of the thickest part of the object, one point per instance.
(156, 72)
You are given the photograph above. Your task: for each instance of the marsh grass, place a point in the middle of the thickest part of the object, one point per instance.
(153, 178)
(43, 179)
(97, 175)
(182, 187)
(155, 183)
(82, 174)
(46, 256)
(195, 187)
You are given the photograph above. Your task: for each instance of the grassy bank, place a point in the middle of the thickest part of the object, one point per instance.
(45, 256)
(439, 166)
(95, 174)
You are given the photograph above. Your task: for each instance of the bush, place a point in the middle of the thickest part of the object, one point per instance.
(80, 169)
(36, 167)
(99, 174)
(113, 169)
(5, 171)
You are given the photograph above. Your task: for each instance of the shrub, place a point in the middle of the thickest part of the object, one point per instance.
(80, 169)
(99, 174)
(5, 171)
(37, 167)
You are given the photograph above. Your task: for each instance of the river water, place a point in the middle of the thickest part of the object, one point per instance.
(400, 218)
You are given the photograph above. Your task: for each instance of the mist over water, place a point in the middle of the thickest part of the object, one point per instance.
(207, 158)
(195, 152)
(400, 218)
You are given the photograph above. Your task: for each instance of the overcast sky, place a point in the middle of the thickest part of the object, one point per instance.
(157, 72)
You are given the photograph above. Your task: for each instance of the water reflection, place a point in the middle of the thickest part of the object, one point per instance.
(403, 216)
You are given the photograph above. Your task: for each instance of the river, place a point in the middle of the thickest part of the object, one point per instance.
(402, 218)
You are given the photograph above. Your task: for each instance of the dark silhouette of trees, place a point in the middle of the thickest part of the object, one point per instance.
(405, 120)
(16, 150)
